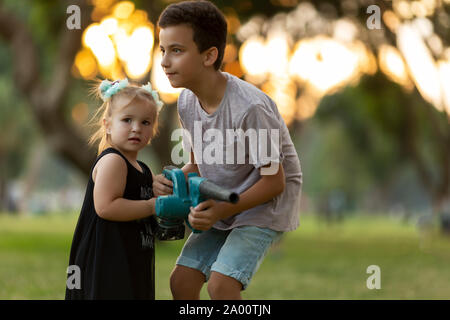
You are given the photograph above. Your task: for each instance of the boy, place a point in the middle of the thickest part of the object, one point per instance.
(236, 237)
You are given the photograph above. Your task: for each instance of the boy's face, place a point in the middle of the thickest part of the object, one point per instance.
(181, 60)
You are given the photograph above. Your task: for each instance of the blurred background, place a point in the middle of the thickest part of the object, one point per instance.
(363, 85)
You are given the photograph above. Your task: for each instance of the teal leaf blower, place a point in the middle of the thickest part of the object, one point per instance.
(173, 210)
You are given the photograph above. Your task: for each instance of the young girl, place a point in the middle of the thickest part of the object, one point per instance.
(113, 244)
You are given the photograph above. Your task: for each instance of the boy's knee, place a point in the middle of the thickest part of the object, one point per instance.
(223, 287)
(215, 287)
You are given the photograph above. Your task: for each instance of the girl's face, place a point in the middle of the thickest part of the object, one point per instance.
(130, 128)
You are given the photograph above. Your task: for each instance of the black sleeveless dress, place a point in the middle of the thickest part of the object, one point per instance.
(116, 260)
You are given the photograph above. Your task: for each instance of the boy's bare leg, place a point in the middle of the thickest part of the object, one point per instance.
(186, 283)
(222, 287)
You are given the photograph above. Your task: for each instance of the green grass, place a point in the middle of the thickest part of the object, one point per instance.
(316, 261)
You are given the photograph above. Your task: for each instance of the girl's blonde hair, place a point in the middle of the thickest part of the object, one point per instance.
(117, 101)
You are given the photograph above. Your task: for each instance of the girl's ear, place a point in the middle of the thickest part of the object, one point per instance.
(210, 56)
(107, 126)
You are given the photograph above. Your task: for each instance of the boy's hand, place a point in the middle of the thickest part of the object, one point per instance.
(206, 214)
(162, 186)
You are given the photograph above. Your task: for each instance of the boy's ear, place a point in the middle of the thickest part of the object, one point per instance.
(210, 56)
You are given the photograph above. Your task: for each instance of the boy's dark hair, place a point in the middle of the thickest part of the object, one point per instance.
(207, 22)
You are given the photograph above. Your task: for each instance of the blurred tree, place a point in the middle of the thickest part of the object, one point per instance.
(17, 136)
(42, 60)
(389, 130)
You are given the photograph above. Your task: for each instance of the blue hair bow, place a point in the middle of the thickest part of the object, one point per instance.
(108, 88)
(159, 103)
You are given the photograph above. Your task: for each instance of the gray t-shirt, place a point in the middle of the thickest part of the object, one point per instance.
(230, 146)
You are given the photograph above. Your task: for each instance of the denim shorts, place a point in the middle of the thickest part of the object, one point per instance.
(236, 253)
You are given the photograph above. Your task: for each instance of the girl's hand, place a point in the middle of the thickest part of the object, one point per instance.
(162, 186)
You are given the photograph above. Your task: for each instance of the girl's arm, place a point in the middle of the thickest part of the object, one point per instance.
(110, 175)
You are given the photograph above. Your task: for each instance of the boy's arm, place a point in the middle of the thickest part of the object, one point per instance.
(110, 181)
(207, 213)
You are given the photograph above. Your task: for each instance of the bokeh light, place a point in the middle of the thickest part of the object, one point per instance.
(121, 43)
(392, 64)
(421, 64)
(252, 57)
(323, 62)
